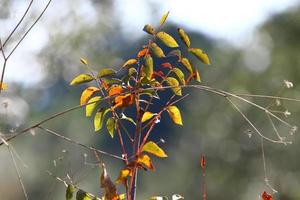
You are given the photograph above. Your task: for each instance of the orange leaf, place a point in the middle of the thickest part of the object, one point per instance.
(123, 101)
(202, 161)
(145, 160)
(123, 175)
(142, 52)
(114, 90)
(266, 196)
(87, 93)
(166, 65)
(104, 84)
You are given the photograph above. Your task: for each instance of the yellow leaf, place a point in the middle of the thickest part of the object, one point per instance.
(83, 61)
(201, 55)
(123, 175)
(106, 72)
(111, 126)
(148, 29)
(154, 149)
(148, 66)
(98, 120)
(197, 77)
(147, 115)
(186, 63)
(129, 62)
(87, 93)
(3, 86)
(184, 37)
(156, 50)
(164, 18)
(175, 85)
(167, 39)
(82, 78)
(145, 160)
(91, 106)
(175, 115)
(179, 74)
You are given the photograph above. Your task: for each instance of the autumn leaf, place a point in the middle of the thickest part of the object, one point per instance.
(109, 187)
(167, 65)
(115, 90)
(82, 78)
(201, 55)
(90, 107)
(123, 175)
(186, 63)
(142, 52)
(184, 37)
(202, 161)
(148, 29)
(147, 115)
(69, 192)
(87, 93)
(197, 76)
(3, 86)
(106, 72)
(156, 50)
(129, 62)
(175, 115)
(123, 101)
(83, 61)
(179, 74)
(148, 68)
(154, 149)
(167, 39)
(174, 83)
(111, 126)
(266, 196)
(146, 161)
(164, 18)
(98, 120)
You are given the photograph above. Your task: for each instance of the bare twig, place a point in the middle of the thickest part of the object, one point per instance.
(78, 143)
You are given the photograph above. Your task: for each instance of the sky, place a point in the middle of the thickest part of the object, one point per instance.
(231, 20)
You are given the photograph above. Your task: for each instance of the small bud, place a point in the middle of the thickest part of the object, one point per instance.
(288, 84)
(293, 130)
(277, 102)
(32, 132)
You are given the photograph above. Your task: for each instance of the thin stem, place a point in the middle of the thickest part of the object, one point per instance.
(78, 143)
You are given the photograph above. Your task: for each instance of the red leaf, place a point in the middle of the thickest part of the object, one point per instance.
(202, 161)
(166, 65)
(266, 196)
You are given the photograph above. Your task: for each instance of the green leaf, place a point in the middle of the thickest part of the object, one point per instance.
(154, 149)
(148, 115)
(174, 83)
(111, 126)
(167, 39)
(89, 109)
(200, 54)
(175, 115)
(156, 50)
(186, 63)
(128, 119)
(148, 67)
(98, 120)
(184, 37)
(164, 18)
(131, 71)
(148, 29)
(82, 78)
(69, 192)
(179, 74)
(82, 195)
(106, 72)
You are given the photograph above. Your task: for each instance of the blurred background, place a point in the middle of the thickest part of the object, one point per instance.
(253, 46)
